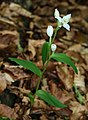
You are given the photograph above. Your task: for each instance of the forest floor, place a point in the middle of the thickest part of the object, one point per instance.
(22, 34)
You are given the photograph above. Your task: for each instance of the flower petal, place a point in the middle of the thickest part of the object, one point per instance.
(56, 14)
(66, 18)
(50, 31)
(59, 19)
(67, 26)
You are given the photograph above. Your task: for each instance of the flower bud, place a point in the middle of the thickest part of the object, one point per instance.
(53, 47)
(50, 31)
(56, 14)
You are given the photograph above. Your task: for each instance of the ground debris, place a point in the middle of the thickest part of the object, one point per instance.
(23, 27)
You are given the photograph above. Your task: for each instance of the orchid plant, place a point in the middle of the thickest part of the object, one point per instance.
(48, 53)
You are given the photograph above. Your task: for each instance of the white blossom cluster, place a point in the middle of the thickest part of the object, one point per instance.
(62, 22)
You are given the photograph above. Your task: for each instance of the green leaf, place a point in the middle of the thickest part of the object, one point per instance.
(50, 99)
(60, 57)
(31, 97)
(45, 51)
(78, 95)
(28, 65)
(4, 118)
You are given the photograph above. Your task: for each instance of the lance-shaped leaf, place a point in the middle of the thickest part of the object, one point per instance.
(60, 57)
(28, 65)
(5, 118)
(50, 99)
(45, 52)
(78, 95)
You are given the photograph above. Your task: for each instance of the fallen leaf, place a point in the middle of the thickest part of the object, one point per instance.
(33, 46)
(25, 100)
(40, 104)
(9, 37)
(18, 9)
(16, 72)
(31, 49)
(61, 95)
(79, 81)
(66, 76)
(43, 117)
(3, 83)
(5, 20)
(6, 111)
(8, 77)
(77, 110)
(8, 43)
(76, 48)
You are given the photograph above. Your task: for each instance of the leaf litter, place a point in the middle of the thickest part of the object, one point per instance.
(20, 23)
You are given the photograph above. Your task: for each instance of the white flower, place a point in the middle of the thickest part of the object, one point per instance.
(62, 21)
(53, 47)
(57, 15)
(65, 21)
(50, 31)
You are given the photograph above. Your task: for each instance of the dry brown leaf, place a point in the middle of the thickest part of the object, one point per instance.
(87, 97)
(79, 80)
(61, 95)
(8, 77)
(5, 20)
(43, 117)
(69, 35)
(85, 56)
(76, 56)
(5, 11)
(26, 117)
(85, 51)
(66, 76)
(18, 9)
(8, 43)
(45, 86)
(5, 79)
(16, 72)
(37, 43)
(3, 83)
(25, 99)
(31, 49)
(33, 45)
(76, 48)
(6, 111)
(9, 37)
(77, 110)
(40, 104)
(39, 64)
(11, 12)
(64, 112)
(61, 45)
(34, 80)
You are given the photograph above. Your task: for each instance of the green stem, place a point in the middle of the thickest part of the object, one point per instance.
(55, 32)
(38, 83)
(44, 69)
(51, 40)
(19, 47)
